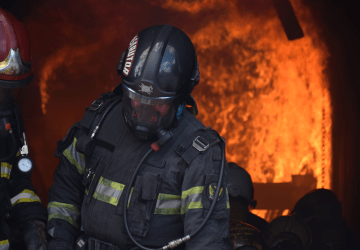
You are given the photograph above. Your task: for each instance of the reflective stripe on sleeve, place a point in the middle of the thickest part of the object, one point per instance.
(75, 158)
(5, 170)
(64, 211)
(168, 204)
(25, 196)
(108, 191)
(227, 199)
(191, 199)
(4, 245)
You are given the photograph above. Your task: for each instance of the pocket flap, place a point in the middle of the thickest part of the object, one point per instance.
(156, 162)
(148, 187)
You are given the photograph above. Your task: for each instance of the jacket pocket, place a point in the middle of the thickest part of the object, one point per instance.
(142, 204)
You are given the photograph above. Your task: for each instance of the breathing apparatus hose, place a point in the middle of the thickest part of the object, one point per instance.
(13, 148)
(179, 241)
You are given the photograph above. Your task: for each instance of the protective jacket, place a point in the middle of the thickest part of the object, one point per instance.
(170, 198)
(18, 201)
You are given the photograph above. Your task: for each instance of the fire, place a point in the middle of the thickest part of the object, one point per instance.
(64, 57)
(265, 94)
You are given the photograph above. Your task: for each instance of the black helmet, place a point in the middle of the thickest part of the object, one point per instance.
(288, 232)
(159, 70)
(240, 183)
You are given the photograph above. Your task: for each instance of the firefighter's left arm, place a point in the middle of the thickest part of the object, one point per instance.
(26, 205)
(198, 190)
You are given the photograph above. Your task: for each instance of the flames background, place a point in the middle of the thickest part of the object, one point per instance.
(267, 96)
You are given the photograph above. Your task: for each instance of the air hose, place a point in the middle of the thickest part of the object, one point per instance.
(164, 138)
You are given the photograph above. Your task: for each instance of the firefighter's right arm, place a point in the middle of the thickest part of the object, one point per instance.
(66, 195)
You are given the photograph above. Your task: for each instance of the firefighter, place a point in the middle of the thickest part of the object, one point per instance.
(241, 195)
(139, 170)
(288, 232)
(21, 212)
(322, 211)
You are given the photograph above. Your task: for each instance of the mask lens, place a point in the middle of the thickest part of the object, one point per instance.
(146, 115)
(162, 109)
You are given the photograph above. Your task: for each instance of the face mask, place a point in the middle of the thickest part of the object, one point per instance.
(147, 115)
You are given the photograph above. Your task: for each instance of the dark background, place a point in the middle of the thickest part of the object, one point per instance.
(339, 20)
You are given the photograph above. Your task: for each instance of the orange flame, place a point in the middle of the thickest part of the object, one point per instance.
(267, 96)
(263, 93)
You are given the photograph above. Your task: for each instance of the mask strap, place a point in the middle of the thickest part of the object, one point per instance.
(180, 111)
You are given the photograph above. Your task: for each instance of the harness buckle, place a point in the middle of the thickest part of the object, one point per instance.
(96, 105)
(200, 146)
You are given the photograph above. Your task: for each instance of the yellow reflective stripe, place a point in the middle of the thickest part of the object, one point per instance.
(108, 191)
(63, 205)
(227, 199)
(63, 211)
(112, 184)
(168, 197)
(131, 191)
(63, 217)
(4, 245)
(191, 199)
(194, 190)
(168, 211)
(5, 170)
(191, 205)
(75, 158)
(168, 204)
(105, 198)
(25, 196)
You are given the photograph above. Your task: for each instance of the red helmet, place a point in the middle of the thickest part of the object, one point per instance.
(15, 55)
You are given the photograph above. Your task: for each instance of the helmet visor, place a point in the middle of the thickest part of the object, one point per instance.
(147, 115)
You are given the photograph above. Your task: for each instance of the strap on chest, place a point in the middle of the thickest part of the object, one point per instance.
(204, 139)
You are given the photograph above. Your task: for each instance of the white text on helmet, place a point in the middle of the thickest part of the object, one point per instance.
(130, 55)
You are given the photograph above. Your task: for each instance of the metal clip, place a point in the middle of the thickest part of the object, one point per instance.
(198, 145)
(94, 106)
(24, 149)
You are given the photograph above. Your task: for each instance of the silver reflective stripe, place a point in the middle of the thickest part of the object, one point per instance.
(5, 170)
(108, 191)
(51, 231)
(75, 157)
(4, 245)
(65, 212)
(168, 203)
(191, 199)
(25, 196)
(197, 197)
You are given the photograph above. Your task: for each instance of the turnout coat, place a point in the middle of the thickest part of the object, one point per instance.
(170, 198)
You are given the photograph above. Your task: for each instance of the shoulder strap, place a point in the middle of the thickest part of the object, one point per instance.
(202, 140)
(97, 107)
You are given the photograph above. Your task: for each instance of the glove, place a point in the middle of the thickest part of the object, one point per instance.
(58, 244)
(34, 235)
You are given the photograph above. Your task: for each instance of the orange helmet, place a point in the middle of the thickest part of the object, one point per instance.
(15, 55)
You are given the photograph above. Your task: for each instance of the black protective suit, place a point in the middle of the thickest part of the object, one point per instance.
(170, 198)
(18, 200)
